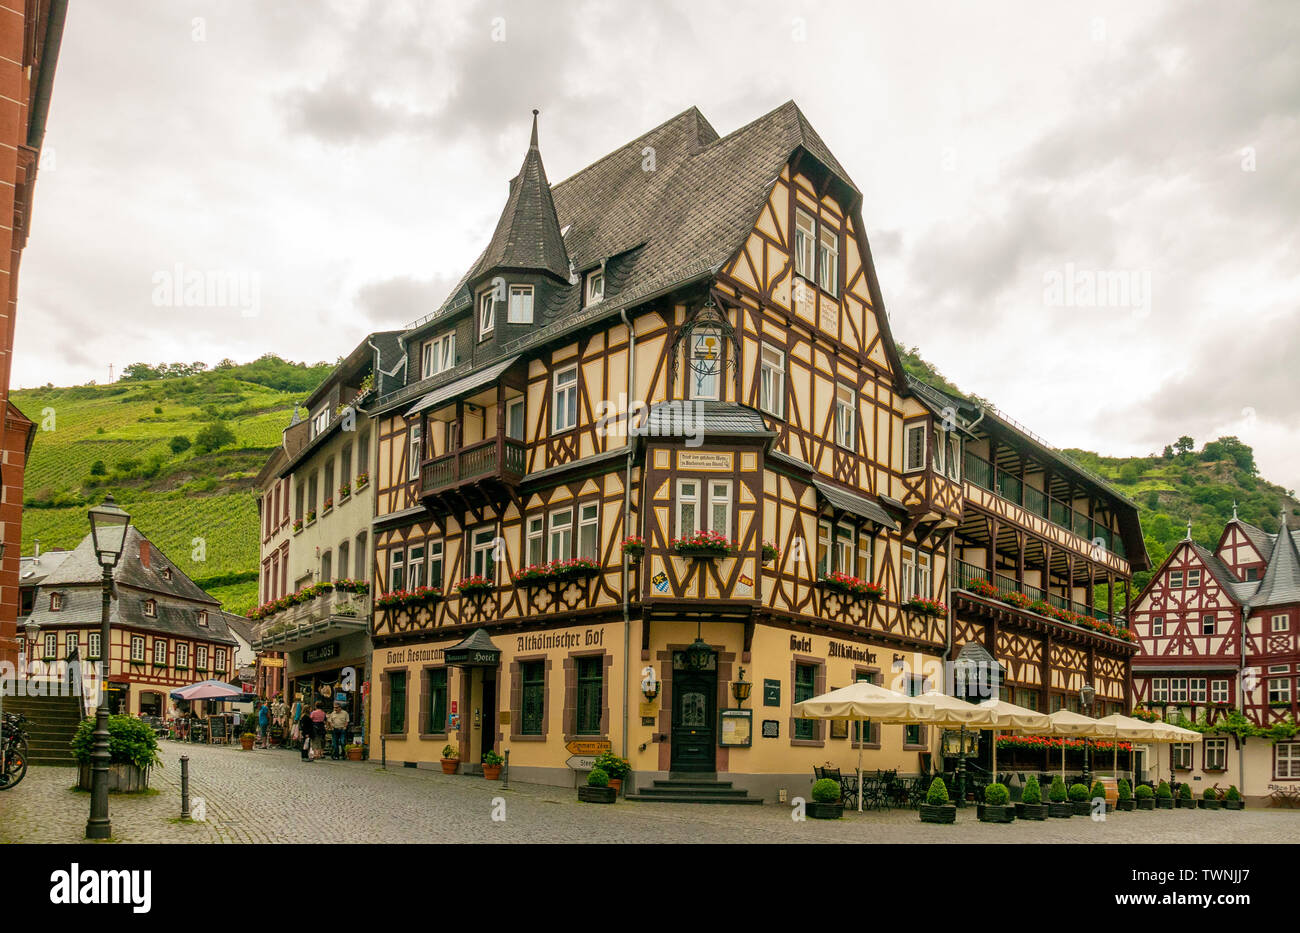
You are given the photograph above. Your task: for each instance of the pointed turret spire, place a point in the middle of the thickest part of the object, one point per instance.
(1189, 530)
(1234, 510)
(527, 236)
(1281, 583)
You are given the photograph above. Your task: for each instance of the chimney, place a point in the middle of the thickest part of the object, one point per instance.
(36, 544)
(144, 554)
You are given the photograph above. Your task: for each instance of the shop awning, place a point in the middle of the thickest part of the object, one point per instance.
(462, 386)
(851, 502)
(475, 651)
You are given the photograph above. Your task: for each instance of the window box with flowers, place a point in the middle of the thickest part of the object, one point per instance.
(634, 546)
(363, 480)
(474, 585)
(771, 552)
(344, 491)
(850, 585)
(394, 599)
(327, 505)
(926, 607)
(556, 571)
(297, 526)
(311, 516)
(703, 544)
(352, 586)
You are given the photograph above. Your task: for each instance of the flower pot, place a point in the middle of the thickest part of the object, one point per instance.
(246, 741)
(449, 765)
(1060, 811)
(993, 813)
(1234, 804)
(942, 813)
(1164, 803)
(354, 754)
(492, 772)
(589, 794)
(1148, 804)
(1127, 806)
(1209, 804)
(1031, 811)
(617, 784)
(824, 811)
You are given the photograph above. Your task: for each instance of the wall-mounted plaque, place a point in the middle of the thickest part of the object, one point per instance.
(771, 692)
(771, 729)
(737, 728)
(709, 461)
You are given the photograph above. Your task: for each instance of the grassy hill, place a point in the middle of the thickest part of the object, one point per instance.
(178, 447)
(1177, 485)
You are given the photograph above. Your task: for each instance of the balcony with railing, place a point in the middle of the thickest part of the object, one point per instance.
(1010, 487)
(499, 458)
(966, 576)
(327, 616)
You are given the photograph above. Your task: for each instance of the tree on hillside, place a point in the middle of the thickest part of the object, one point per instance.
(180, 443)
(139, 371)
(213, 436)
(1184, 445)
(1231, 448)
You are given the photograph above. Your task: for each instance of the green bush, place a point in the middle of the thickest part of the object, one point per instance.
(1185, 791)
(1098, 790)
(826, 791)
(937, 795)
(997, 795)
(1032, 794)
(1078, 792)
(1163, 791)
(98, 468)
(491, 758)
(179, 444)
(617, 768)
(1057, 792)
(1210, 794)
(130, 741)
(1125, 792)
(213, 436)
(597, 778)
(157, 409)
(1144, 792)
(1233, 793)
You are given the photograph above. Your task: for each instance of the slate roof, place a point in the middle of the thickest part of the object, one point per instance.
(1240, 591)
(82, 567)
(463, 386)
(33, 569)
(1281, 582)
(704, 419)
(1262, 540)
(846, 501)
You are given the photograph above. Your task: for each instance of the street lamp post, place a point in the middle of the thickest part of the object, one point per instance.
(108, 526)
(1086, 696)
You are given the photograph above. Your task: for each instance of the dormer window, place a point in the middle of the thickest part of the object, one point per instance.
(521, 304)
(167, 574)
(56, 602)
(486, 314)
(203, 618)
(438, 355)
(595, 290)
(151, 608)
(320, 422)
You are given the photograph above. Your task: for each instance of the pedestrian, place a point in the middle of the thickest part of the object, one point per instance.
(302, 731)
(264, 725)
(338, 722)
(317, 717)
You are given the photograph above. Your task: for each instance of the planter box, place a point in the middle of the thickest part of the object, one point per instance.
(1081, 807)
(1060, 811)
(1127, 806)
(1208, 804)
(1031, 811)
(1164, 803)
(824, 811)
(122, 778)
(990, 813)
(944, 813)
(1148, 804)
(1185, 804)
(1234, 804)
(588, 794)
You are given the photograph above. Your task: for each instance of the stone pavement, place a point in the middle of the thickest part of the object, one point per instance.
(273, 797)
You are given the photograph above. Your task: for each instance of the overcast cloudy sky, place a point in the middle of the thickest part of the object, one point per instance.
(345, 162)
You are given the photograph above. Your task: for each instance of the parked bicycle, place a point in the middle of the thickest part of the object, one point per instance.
(13, 736)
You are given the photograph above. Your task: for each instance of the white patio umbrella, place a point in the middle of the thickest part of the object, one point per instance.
(1067, 723)
(862, 701)
(1129, 729)
(1011, 718)
(1169, 734)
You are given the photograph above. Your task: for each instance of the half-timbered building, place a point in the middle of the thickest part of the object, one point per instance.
(1219, 632)
(657, 473)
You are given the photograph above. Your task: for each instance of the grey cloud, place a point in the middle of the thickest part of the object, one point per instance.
(399, 300)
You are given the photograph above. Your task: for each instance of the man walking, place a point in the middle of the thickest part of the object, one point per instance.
(264, 725)
(338, 722)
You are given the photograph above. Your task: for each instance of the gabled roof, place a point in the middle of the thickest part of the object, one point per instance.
(1262, 540)
(1237, 590)
(33, 568)
(81, 567)
(528, 233)
(1281, 582)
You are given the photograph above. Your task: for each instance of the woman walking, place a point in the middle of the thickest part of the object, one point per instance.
(317, 718)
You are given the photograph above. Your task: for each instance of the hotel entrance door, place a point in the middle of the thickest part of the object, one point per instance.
(695, 713)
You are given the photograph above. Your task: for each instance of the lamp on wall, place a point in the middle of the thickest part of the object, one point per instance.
(740, 689)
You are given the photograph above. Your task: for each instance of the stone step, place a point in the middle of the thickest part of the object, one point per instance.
(694, 791)
(651, 797)
(674, 782)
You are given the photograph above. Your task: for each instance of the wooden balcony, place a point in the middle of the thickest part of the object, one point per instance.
(497, 460)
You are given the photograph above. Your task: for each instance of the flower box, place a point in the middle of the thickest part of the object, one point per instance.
(850, 585)
(770, 552)
(474, 586)
(1209, 804)
(297, 526)
(1128, 806)
(634, 546)
(703, 544)
(123, 778)
(363, 480)
(345, 491)
(926, 607)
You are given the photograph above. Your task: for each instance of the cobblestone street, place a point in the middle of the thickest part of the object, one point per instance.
(273, 797)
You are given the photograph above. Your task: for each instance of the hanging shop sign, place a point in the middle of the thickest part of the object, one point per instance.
(477, 650)
(325, 652)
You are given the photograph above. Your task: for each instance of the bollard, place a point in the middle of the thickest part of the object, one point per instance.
(185, 787)
(383, 753)
(507, 770)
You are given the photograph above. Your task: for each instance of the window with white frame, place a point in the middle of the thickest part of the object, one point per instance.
(219, 664)
(159, 652)
(914, 448)
(823, 547)
(864, 557)
(1286, 760)
(1279, 690)
(828, 259)
(589, 530)
(92, 646)
(1175, 579)
(1215, 754)
(1177, 689)
(482, 551)
(396, 569)
(771, 391)
(137, 647)
(182, 654)
(688, 507)
(1181, 756)
(1157, 625)
(1160, 690)
(720, 507)
(438, 355)
(595, 290)
(564, 399)
(201, 658)
(51, 645)
(845, 416)
(486, 313)
(151, 608)
(805, 239)
(1194, 577)
(203, 618)
(560, 538)
(416, 438)
(435, 563)
(954, 456)
(521, 304)
(56, 602)
(916, 573)
(415, 566)
(1281, 623)
(705, 364)
(844, 549)
(515, 425)
(940, 452)
(536, 540)
(320, 422)
(1218, 691)
(1197, 687)
(70, 644)
(1207, 624)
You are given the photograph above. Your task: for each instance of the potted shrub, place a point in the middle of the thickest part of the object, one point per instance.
(996, 807)
(1146, 797)
(1031, 806)
(450, 759)
(1232, 800)
(492, 763)
(1185, 799)
(826, 803)
(247, 740)
(1210, 799)
(617, 768)
(1079, 803)
(1164, 797)
(1099, 793)
(597, 789)
(353, 752)
(937, 808)
(132, 749)
(1126, 801)
(1059, 805)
